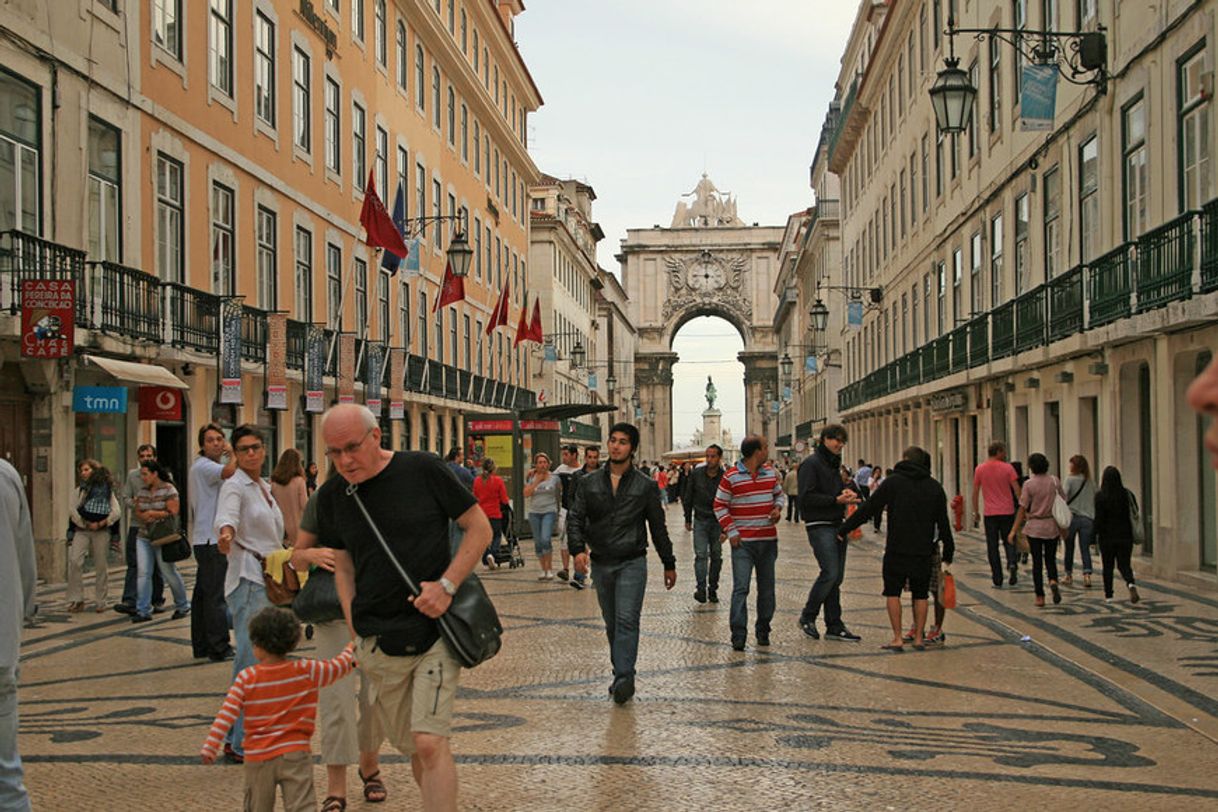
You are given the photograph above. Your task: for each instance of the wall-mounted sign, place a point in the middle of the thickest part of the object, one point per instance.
(231, 311)
(99, 399)
(47, 318)
(954, 400)
(479, 426)
(160, 403)
(373, 361)
(1038, 97)
(315, 361)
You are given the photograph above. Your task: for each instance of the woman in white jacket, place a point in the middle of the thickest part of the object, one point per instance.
(95, 512)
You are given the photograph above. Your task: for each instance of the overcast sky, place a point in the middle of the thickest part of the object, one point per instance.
(642, 97)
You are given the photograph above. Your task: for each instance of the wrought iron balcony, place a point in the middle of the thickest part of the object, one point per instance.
(1110, 286)
(1030, 319)
(1165, 263)
(194, 318)
(1066, 304)
(1002, 330)
(1209, 247)
(978, 341)
(129, 301)
(297, 343)
(959, 343)
(254, 334)
(24, 256)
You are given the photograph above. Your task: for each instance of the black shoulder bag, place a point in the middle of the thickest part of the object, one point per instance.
(471, 625)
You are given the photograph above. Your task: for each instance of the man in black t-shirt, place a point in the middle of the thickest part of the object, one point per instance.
(411, 496)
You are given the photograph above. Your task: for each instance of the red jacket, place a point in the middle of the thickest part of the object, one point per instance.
(491, 493)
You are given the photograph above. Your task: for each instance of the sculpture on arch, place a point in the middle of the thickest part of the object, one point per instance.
(710, 208)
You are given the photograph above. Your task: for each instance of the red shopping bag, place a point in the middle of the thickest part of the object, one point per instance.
(856, 533)
(949, 590)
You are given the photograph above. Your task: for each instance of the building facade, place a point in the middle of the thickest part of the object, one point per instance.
(198, 170)
(1050, 288)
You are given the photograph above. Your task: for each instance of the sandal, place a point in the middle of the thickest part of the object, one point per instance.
(373, 786)
(333, 803)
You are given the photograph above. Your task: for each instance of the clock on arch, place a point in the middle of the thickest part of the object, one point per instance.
(706, 276)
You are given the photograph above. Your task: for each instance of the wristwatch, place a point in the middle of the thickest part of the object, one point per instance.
(448, 586)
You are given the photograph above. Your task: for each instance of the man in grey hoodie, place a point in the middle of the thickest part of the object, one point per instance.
(18, 577)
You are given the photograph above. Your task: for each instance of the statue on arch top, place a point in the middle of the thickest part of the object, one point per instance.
(710, 207)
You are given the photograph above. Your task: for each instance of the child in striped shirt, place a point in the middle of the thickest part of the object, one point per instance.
(279, 697)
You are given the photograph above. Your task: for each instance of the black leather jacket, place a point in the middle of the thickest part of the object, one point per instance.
(820, 483)
(613, 526)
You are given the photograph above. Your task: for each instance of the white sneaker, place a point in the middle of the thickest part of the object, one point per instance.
(549, 575)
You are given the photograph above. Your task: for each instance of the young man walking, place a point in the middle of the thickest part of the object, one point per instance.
(611, 512)
(209, 620)
(592, 463)
(131, 487)
(748, 504)
(699, 502)
(822, 503)
(917, 521)
(996, 481)
(569, 454)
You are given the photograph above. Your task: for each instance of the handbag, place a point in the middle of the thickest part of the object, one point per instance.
(947, 583)
(317, 601)
(471, 625)
(279, 593)
(1061, 511)
(175, 551)
(1021, 543)
(1135, 520)
(164, 531)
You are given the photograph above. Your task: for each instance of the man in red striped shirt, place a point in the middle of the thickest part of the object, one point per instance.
(748, 504)
(279, 698)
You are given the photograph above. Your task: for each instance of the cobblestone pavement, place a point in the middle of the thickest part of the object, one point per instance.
(1094, 704)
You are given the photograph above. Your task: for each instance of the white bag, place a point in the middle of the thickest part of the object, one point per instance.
(1061, 511)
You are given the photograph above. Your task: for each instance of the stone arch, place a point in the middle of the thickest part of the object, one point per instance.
(700, 309)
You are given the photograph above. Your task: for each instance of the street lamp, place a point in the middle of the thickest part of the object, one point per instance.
(577, 355)
(819, 313)
(952, 97)
(610, 385)
(635, 401)
(460, 254)
(786, 365)
(651, 416)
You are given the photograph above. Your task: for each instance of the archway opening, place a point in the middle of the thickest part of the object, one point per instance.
(708, 346)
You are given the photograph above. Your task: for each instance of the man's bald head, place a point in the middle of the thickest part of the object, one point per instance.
(353, 441)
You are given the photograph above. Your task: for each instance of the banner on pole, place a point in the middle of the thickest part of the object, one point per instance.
(276, 361)
(230, 350)
(397, 392)
(810, 364)
(1037, 97)
(346, 368)
(854, 315)
(315, 364)
(373, 369)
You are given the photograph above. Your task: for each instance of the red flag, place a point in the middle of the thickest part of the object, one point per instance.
(499, 316)
(523, 332)
(452, 289)
(382, 233)
(535, 331)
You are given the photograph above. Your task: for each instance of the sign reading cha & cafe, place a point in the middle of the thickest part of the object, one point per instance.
(953, 400)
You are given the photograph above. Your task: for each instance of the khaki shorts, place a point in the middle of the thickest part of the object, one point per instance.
(413, 694)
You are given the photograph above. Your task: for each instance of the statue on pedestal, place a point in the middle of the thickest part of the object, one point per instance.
(711, 393)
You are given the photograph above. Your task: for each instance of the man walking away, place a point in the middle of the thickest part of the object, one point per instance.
(611, 512)
(748, 504)
(592, 463)
(862, 478)
(209, 620)
(570, 464)
(917, 518)
(790, 488)
(699, 502)
(18, 579)
(823, 497)
(131, 487)
(996, 481)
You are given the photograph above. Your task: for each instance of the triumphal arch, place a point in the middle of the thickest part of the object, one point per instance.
(706, 263)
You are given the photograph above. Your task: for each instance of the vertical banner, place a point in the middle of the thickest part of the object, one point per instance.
(592, 381)
(48, 319)
(230, 350)
(810, 364)
(276, 361)
(315, 365)
(854, 315)
(397, 379)
(1038, 97)
(346, 368)
(374, 365)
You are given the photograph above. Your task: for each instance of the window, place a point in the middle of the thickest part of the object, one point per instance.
(910, 61)
(913, 315)
(435, 97)
(170, 216)
(1089, 199)
(452, 336)
(925, 173)
(264, 68)
(942, 273)
(403, 59)
(1194, 131)
(267, 261)
(477, 152)
(1053, 228)
(975, 283)
(380, 36)
(300, 110)
(1023, 259)
(382, 298)
(103, 191)
(995, 84)
(478, 249)
(1134, 174)
(922, 39)
(939, 139)
(927, 284)
(452, 17)
(303, 276)
(957, 286)
(936, 22)
(223, 241)
(357, 19)
(359, 143)
(479, 328)
(166, 26)
(464, 33)
(452, 117)
(1086, 11)
(334, 286)
(422, 332)
(421, 196)
(418, 77)
(996, 260)
(382, 165)
(913, 189)
(333, 123)
(974, 136)
(1048, 12)
(403, 180)
(404, 312)
(1019, 15)
(220, 46)
(464, 133)
(439, 321)
(437, 192)
(476, 47)
(361, 293)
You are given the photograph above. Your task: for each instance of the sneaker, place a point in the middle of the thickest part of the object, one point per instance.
(763, 639)
(1057, 593)
(563, 575)
(490, 562)
(843, 634)
(141, 618)
(623, 690)
(1023, 559)
(1134, 597)
(700, 595)
(576, 583)
(935, 638)
(712, 596)
(124, 608)
(809, 629)
(549, 576)
(157, 608)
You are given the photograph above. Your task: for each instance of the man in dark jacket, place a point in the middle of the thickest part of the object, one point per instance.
(610, 513)
(592, 462)
(699, 503)
(917, 518)
(822, 504)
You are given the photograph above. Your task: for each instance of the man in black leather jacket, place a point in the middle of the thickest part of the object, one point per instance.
(610, 514)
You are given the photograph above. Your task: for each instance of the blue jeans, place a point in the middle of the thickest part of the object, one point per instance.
(247, 600)
(148, 558)
(132, 577)
(543, 531)
(496, 537)
(13, 797)
(619, 590)
(1082, 527)
(997, 528)
(826, 592)
(707, 546)
(746, 557)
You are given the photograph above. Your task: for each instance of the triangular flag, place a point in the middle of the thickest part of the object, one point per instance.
(382, 233)
(522, 329)
(535, 331)
(452, 289)
(391, 261)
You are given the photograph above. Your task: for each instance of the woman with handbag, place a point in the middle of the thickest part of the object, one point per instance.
(248, 527)
(1115, 508)
(156, 513)
(1036, 511)
(1080, 498)
(97, 511)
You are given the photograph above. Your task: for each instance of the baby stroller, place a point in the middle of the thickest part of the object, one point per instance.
(509, 545)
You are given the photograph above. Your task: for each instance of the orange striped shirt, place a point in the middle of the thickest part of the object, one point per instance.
(280, 704)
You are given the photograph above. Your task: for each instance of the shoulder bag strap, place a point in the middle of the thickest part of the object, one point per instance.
(393, 559)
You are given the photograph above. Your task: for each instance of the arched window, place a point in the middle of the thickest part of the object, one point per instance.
(403, 59)
(452, 116)
(419, 82)
(435, 97)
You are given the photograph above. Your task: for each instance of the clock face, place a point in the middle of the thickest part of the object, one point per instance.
(706, 278)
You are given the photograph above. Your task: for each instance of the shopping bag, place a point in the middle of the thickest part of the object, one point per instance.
(949, 590)
(856, 533)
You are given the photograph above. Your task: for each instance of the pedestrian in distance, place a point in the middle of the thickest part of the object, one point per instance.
(95, 513)
(156, 500)
(917, 522)
(290, 492)
(214, 465)
(491, 493)
(569, 455)
(283, 691)
(1114, 532)
(131, 487)
(544, 490)
(1080, 498)
(18, 580)
(699, 503)
(661, 477)
(310, 478)
(790, 488)
(1203, 397)
(823, 497)
(592, 463)
(611, 513)
(463, 475)
(748, 504)
(862, 478)
(1035, 518)
(998, 484)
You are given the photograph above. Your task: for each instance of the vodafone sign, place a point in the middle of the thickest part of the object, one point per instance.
(160, 403)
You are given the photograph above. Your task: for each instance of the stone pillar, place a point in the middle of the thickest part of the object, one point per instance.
(653, 378)
(415, 425)
(433, 424)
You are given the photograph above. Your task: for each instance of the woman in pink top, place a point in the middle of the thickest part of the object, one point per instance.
(1036, 518)
(491, 494)
(288, 489)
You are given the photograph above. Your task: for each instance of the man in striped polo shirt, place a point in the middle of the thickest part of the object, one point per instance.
(748, 504)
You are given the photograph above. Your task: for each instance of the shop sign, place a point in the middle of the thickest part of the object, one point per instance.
(47, 318)
(478, 426)
(99, 399)
(575, 430)
(160, 403)
(539, 425)
(277, 361)
(315, 360)
(230, 350)
(952, 401)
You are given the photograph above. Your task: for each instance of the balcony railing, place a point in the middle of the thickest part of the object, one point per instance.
(978, 341)
(1066, 304)
(959, 342)
(1165, 263)
(194, 318)
(254, 334)
(1002, 336)
(297, 344)
(129, 301)
(1209, 247)
(1030, 319)
(24, 256)
(1109, 289)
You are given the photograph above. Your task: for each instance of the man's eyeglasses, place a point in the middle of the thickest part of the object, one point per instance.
(252, 448)
(348, 449)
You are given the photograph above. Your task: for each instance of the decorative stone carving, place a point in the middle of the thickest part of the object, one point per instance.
(710, 208)
(707, 280)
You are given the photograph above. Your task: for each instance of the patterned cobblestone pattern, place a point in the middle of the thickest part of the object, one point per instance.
(1104, 705)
